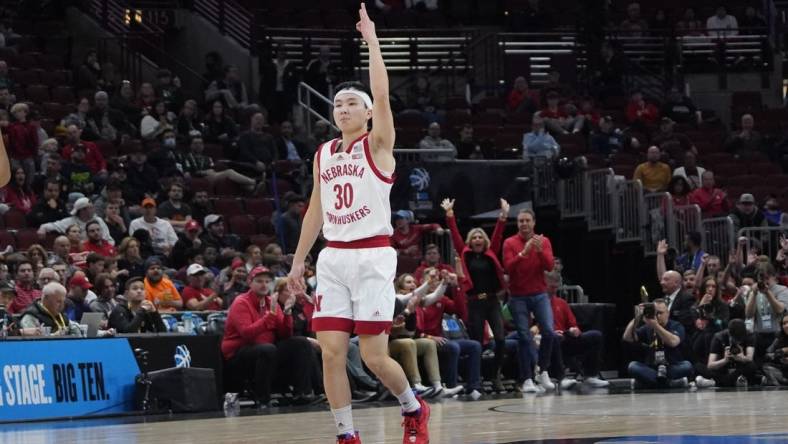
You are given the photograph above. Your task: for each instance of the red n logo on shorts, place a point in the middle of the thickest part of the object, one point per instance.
(318, 300)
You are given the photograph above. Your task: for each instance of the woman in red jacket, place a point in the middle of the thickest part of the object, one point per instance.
(259, 345)
(486, 285)
(17, 194)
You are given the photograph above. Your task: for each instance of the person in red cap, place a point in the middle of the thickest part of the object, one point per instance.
(259, 345)
(78, 288)
(350, 203)
(196, 296)
(236, 283)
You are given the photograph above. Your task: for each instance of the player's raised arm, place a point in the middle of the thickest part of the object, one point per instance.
(382, 134)
(5, 167)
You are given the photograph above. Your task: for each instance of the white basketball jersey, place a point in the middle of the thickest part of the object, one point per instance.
(354, 194)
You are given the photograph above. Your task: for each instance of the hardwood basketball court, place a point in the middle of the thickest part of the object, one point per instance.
(712, 416)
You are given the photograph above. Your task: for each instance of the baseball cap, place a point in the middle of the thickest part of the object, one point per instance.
(403, 214)
(666, 119)
(148, 202)
(747, 198)
(237, 262)
(151, 261)
(192, 225)
(211, 219)
(80, 204)
(195, 269)
(257, 271)
(80, 281)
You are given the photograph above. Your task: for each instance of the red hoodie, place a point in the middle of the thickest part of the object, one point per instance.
(249, 324)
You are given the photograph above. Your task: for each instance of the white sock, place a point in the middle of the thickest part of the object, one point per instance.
(408, 401)
(343, 418)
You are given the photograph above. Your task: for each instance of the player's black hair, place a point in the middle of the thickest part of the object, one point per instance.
(354, 85)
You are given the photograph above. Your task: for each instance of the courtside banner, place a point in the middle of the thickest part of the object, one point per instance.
(63, 378)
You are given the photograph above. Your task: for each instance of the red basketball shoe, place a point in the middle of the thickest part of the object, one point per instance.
(417, 426)
(347, 438)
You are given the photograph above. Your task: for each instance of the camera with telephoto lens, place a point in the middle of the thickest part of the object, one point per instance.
(649, 310)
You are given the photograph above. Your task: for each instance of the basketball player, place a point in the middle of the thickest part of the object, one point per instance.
(355, 272)
(5, 166)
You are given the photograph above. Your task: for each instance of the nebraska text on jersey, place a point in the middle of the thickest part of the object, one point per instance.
(337, 171)
(354, 193)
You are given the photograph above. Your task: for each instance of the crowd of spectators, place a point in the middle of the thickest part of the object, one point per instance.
(138, 249)
(712, 326)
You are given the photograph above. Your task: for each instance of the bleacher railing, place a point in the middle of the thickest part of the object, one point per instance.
(764, 240)
(571, 197)
(629, 211)
(719, 237)
(599, 199)
(312, 102)
(660, 221)
(687, 219)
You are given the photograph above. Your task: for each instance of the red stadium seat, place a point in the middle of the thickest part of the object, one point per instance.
(7, 238)
(31, 76)
(764, 169)
(265, 226)
(225, 187)
(262, 240)
(228, 206)
(242, 225)
(25, 238)
(63, 94)
(201, 184)
(259, 207)
(14, 219)
(37, 93)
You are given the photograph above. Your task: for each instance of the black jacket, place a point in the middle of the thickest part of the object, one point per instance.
(42, 213)
(139, 321)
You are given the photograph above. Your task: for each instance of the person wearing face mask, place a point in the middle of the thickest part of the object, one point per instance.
(163, 156)
(486, 280)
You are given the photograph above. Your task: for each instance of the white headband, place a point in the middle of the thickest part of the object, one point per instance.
(360, 94)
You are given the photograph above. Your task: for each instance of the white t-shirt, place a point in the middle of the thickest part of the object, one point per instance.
(161, 232)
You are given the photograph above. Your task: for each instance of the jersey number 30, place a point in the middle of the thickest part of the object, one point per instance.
(344, 196)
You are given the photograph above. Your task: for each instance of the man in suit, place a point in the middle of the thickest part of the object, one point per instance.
(679, 302)
(288, 148)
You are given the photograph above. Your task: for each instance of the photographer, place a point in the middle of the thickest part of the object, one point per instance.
(731, 361)
(712, 317)
(766, 302)
(662, 337)
(776, 366)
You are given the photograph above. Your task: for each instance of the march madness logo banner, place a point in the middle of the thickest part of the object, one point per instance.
(63, 378)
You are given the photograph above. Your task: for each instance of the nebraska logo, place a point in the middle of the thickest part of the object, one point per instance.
(318, 302)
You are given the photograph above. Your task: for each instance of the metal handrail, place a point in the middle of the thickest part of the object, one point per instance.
(305, 93)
